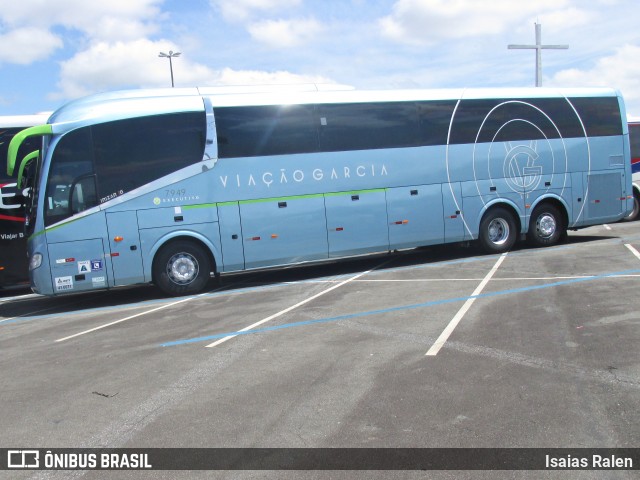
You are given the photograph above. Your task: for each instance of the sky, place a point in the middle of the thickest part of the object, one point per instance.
(52, 52)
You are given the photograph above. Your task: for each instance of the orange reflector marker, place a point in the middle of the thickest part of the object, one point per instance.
(118, 238)
(528, 205)
(1, 268)
(274, 235)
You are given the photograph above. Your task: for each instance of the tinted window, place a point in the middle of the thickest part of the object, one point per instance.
(535, 119)
(72, 159)
(435, 118)
(601, 116)
(130, 153)
(507, 120)
(266, 130)
(368, 126)
(634, 139)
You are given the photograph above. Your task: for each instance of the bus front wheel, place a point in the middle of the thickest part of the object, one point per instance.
(497, 230)
(181, 268)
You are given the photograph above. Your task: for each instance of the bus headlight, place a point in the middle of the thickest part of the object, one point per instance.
(36, 261)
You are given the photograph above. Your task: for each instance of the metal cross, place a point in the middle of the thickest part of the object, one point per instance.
(538, 47)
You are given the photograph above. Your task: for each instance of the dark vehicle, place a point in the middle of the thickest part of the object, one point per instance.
(14, 263)
(634, 140)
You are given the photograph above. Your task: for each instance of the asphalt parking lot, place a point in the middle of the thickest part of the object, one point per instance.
(439, 347)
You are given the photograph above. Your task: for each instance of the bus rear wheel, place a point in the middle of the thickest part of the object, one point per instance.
(546, 226)
(181, 268)
(497, 230)
(636, 209)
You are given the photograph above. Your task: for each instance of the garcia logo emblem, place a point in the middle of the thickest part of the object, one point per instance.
(520, 169)
(519, 144)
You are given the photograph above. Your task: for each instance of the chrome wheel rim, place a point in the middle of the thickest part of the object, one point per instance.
(546, 225)
(182, 268)
(498, 231)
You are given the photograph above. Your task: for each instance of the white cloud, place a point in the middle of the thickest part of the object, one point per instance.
(563, 20)
(285, 33)
(241, 10)
(423, 22)
(229, 76)
(29, 25)
(107, 66)
(23, 46)
(110, 20)
(136, 64)
(620, 70)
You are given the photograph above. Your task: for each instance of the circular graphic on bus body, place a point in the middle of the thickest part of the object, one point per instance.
(519, 144)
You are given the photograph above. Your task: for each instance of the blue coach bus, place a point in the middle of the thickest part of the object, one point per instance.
(634, 140)
(14, 271)
(174, 186)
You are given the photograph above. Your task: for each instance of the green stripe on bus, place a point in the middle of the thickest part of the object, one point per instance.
(292, 197)
(244, 202)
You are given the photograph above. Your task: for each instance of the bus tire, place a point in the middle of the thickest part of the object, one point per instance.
(497, 230)
(181, 268)
(636, 209)
(546, 226)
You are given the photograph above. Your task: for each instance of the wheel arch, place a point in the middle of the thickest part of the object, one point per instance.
(553, 200)
(502, 203)
(189, 236)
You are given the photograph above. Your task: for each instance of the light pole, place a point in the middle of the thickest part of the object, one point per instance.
(170, 55)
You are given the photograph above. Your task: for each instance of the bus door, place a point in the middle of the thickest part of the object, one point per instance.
(230, 236)
(357, 222)
(454, 230)
(77, 265)
(284, 230)
(605, 196)
(124, 247)
(415, 216)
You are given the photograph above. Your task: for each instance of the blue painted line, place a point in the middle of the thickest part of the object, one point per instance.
(432, 303)
(130, 305)
(281, 284)
(233, 291)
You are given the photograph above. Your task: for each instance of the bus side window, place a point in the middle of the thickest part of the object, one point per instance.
(133, 152)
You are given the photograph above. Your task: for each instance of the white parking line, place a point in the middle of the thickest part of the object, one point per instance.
(446, 333)
(292, 307)
(26, 296)
(633, 250)
(130, 317)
